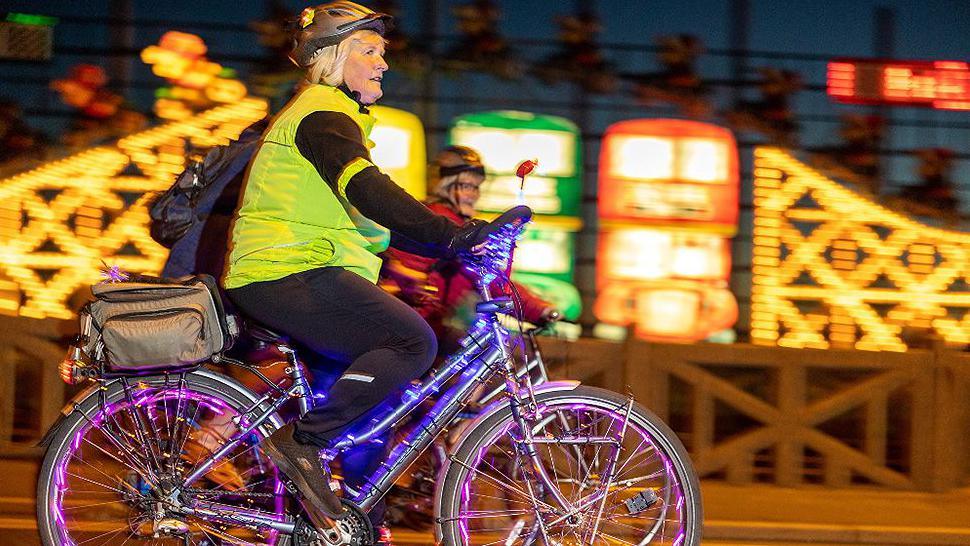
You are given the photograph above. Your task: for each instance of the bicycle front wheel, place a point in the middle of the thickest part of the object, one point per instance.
(624, 475)
(113, 470)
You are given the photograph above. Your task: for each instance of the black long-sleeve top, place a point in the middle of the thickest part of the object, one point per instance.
(330, 141)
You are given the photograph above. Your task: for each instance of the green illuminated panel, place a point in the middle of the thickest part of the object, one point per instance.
(31, 19)
(505, 138)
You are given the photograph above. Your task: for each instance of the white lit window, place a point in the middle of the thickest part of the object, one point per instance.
(667, 312)
(503, 149)
(554, 150)
(545, 252)
(641, 254)
(702, 160)
(641, 158)
(699, 257)
(502, 192)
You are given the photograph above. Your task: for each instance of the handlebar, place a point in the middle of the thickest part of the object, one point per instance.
(491, 254)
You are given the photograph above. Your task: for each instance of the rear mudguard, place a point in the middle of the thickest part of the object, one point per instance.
(77, 402)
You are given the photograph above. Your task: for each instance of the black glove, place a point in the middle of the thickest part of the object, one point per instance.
(467, 236)
(475, 232)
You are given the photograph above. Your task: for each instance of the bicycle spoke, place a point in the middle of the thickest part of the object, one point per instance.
(223, 535)
(95, 482)
(597, 478)
(124, 451)
(127, 538)
(112, 456)
(180, 434)
(139, 426)
(494, 514)
(209, 452)
(91, 466)
(616, 540)
(89, 492)
(118, 452)
(225, 460)
(112, 532)
(615, 522)
(72, 508)
(503, 499)
(503, 485)
(637, 454)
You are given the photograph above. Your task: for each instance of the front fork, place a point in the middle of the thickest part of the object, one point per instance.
(526, 413)
(525, 409)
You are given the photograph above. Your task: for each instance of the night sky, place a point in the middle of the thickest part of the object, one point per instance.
(929, 29)
(924, 29)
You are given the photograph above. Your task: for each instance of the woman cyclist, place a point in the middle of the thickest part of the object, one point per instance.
(299, 264)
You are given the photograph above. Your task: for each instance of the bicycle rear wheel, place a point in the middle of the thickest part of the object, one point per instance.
(114, 463)
(629, 479)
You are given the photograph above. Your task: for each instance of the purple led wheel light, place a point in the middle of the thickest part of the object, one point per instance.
(150, 397)
(646, 443)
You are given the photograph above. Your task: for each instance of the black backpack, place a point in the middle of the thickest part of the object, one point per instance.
(192, 218)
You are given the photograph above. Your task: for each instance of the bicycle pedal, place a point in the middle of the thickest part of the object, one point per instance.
(163, 527)
(641, 501)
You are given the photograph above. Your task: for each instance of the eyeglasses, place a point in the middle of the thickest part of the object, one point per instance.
(465, 186)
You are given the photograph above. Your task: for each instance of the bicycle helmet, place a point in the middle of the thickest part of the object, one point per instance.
(328, 24)
(458, 159)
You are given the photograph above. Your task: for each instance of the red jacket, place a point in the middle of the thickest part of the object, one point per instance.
(435, 288)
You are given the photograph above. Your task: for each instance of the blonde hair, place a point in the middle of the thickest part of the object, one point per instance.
(328, 65)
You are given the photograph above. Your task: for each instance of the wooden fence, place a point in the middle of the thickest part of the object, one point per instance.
(748, 414)
(797, 417)
(31, 391)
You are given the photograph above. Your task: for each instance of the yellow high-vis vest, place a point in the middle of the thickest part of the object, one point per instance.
(290, 220)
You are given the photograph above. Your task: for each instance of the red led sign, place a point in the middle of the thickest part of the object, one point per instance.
(944, 85)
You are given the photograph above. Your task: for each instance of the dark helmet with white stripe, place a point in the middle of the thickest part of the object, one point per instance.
(458, 159)
(328, 24)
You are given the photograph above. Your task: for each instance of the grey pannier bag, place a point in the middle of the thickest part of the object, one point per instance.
(151, 324)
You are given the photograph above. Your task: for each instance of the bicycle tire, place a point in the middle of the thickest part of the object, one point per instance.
(210, 384)
(485, 432)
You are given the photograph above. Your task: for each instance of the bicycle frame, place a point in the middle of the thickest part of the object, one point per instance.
(476, 364)
(487, 351)
(483, 355)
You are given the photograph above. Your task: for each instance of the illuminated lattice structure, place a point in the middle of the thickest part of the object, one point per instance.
(833, 269)
(59, 221)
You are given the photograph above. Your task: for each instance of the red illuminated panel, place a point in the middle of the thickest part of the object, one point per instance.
(944, 85)
(665, 171)
(646, 254)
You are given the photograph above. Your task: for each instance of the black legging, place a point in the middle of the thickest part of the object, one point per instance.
(344, 317)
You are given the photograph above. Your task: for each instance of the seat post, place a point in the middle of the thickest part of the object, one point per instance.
(294, 369)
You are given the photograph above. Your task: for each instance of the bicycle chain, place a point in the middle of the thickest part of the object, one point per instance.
(216, 493)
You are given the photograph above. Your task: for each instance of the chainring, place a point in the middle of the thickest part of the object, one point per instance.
(354, 529)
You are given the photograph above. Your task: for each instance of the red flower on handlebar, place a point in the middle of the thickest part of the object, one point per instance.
(526, 167)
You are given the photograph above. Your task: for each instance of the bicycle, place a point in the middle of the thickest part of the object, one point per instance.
(555, 463)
